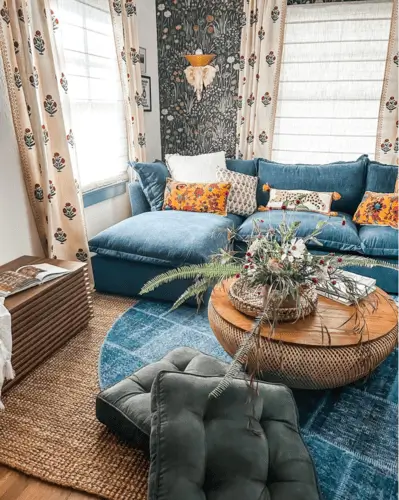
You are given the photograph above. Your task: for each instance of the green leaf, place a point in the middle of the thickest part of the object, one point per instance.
(196, 289)
(212, 270)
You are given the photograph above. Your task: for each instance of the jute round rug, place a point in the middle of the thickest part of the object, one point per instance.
(49, 429)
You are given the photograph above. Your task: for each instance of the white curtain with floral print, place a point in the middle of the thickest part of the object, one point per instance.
(387, 145)
(124, 20)
(38, 88)
(260, 60)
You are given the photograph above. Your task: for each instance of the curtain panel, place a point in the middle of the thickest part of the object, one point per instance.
(260, 61)
(38, 94)
(124, 21)
(387, 146)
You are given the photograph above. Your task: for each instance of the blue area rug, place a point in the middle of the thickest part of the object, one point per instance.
(351, 432)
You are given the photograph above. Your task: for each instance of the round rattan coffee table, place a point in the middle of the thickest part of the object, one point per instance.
(299, 354)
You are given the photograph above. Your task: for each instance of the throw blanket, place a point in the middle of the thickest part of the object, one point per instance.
(6, 371)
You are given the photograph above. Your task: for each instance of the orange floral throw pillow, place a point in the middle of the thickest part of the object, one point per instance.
(380, 209)
(193, 197)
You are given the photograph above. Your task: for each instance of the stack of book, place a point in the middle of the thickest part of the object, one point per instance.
(362, 288)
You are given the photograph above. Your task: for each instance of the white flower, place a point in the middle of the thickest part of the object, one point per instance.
(230, 59)
(287, 256)
(164, 111)
(167, 47)
(298, 248)
(236, 66)
(161, 6)
(170, 118)
(255, 245)
(167, 13)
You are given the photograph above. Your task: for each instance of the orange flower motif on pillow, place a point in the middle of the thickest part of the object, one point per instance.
(379, 209)
(193, 197)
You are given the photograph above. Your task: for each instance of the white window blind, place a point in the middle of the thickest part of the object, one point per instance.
(95, 91)
(331, 81)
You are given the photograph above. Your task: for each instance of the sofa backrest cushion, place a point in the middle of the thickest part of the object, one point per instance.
(152, 178)
(247, 167)
(381, 178)
(346, 178)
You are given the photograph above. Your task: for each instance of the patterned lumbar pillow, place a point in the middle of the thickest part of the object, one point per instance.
(378, 209)
(242, 197)
(200, 168)
(195, 197)
(300, 199)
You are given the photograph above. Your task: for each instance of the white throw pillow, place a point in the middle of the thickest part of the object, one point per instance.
(200, 168)
(242, 196)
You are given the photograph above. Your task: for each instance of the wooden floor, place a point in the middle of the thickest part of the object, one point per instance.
(17, 486)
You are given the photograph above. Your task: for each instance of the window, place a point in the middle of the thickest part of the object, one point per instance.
(331, 81)
(95, 91)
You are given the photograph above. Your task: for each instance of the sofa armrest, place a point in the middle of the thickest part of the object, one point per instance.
(138, 201)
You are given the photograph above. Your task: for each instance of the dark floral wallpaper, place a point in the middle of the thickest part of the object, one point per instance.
(188, 126)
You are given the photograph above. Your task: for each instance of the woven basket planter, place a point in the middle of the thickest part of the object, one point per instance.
(249, 301)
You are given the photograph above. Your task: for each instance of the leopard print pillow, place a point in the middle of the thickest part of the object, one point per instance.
(302, 200)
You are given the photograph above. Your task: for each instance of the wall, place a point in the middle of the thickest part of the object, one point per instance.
(146, 10)
(109, 212)
(189, 126)
(18, 234)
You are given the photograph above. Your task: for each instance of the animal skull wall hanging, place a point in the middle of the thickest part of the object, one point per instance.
(200, 74)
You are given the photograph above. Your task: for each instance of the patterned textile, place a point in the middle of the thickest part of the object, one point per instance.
(38, 88)
(379, 209)
(301, 199)
(387, 145)
(195, 197)
(261, 53)
(189, 126)
(124, 21)
(242, 196)
(351, 432)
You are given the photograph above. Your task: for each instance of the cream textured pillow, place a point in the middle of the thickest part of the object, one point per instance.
(242, 196)
(301, 200)
(200, 168)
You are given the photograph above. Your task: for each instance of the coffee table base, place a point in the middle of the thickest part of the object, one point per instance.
(306, 367)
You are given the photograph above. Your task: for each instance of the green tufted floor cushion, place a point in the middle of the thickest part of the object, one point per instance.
(235, 447)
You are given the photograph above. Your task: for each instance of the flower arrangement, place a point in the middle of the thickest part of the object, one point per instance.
(276, 258)
(279, 268)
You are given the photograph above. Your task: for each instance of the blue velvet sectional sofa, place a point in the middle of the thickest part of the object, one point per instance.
(153, 241)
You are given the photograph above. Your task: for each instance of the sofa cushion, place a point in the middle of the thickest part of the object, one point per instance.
(196, 168)
(241, 445)
(247, 167)
(152, 178)
(242, 195)
(333, 236)
(381, 178)
(206, 198)
(379, 241)
(125, 408)
(168, 238)
(346, 178)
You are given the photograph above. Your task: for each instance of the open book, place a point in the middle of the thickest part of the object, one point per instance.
(364, 287)
(28, 276)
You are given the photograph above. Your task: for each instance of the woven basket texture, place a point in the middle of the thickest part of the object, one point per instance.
(249, 301)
